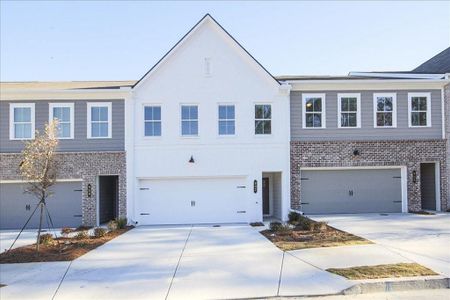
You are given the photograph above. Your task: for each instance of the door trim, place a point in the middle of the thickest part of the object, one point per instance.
(403, 174)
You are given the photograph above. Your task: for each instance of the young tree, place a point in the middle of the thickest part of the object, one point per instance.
(38, 167)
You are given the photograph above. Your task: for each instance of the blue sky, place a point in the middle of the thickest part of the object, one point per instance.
(121, 40)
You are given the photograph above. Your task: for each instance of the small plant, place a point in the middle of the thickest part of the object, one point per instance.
(256, 224)
(294, 217)
(121, 223)
(99, 232)
(46, 239)
(112, 225)
(274, 226)
(83, 228)
(304, 223)
(319, 226)
(65, 231)
(279, 227)
(81, 235)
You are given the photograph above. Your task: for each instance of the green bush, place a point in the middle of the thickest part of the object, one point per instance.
(112, 225)
(294, 217)
(82, 235)
(279, 227)
(121, 223)
(99, 232)
(319, 226)
(46, 239)
(304, 223)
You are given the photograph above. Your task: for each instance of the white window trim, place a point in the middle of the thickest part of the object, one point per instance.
(181, 121)
(11, 120)
(271, 119)
(394, 109)
(72, 119)
(144, 105)
(89, 123)
(218, 119)
(428, 96)
(358, 109)
(324, 109)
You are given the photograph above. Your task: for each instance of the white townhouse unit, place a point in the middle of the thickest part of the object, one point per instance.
(207, 135)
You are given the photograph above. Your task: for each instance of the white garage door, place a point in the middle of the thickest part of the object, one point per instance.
(192, 201)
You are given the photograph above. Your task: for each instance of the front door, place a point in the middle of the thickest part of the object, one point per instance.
(265, 191)
(428, 185)
(108, 192)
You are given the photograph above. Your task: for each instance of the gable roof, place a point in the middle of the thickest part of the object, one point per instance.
(438, 64)
(184, 38)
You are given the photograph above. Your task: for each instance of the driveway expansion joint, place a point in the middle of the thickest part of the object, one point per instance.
(62, 279)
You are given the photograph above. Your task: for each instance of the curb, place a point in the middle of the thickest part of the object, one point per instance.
(397, 286)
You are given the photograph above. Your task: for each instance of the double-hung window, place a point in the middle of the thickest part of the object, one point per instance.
(99, 120)
(226, 120)
(152, 120)
(189, 120)
(314, 111)
(63, 113)
(21, 117)
(419, 109)
(349, 111)
(385, 110)
(263, 119)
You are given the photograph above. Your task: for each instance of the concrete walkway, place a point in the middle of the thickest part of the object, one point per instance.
(424, 239)
(176, 263)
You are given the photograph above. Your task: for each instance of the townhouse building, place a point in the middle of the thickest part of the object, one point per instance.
(208, 135)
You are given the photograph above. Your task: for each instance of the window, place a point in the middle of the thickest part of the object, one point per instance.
(263, 119)
(314, 111)
(99, 120)
(189, 120)
(226, 120)
(63, 112)
(349, 111)
(21, 118)
(419, 109)
(385, 110)
(152, 120)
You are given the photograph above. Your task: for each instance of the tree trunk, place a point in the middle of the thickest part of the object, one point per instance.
(40, 225)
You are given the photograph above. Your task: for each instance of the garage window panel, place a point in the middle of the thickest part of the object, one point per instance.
(314, 111)
(152, 120)
(21, 121)
(189, 120)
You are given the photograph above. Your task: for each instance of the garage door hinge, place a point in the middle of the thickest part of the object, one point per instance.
(77, 216)
(77, 190)
(303, 203)
(304, 178)
(397, 177)
(241, 187)
(145, 214)
(144, 189)
(397, 201)
(241, 212)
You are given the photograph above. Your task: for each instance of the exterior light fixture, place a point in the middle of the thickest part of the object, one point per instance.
(89, 190)
(414, 176)
(356, 152)
(191, 161)
(255, 186)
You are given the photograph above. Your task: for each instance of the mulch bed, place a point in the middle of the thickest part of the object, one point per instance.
(298, 238)
(61, 249)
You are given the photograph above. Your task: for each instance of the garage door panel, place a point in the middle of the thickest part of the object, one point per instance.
(187, 201)
(351, 191)
(16, 207)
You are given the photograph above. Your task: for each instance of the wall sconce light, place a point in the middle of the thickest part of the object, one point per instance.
(191, 161)
(255, 186)
(414, 175)
(356, 152)
(89, 190)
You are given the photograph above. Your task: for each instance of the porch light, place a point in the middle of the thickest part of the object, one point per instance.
(356, 152)
(414, 176)
(191, 161)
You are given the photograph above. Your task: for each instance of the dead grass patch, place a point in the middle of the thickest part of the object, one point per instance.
(60, 249)
(383, 271)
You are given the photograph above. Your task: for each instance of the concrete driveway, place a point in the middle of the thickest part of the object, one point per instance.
(421, 238)
(195, 262)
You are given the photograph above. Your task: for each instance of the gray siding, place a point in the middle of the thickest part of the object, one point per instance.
(80, 143)
(367, 130)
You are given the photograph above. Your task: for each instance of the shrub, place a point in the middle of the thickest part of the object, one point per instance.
(83, 228)
(46, 239)
(279, 227)
(294, 217)
(65, 231)
(112, 225)
(121, 223)
(99, 232)
(304, 223)
(82, 235)
(319, 226)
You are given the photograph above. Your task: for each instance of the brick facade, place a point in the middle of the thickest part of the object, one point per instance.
(447, 134)
(371, 153)
(79, 165)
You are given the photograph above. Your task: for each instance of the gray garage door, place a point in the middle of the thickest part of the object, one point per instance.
(64, 205)
(351, 191)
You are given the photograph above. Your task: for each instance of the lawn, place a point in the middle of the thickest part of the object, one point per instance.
(383, 271)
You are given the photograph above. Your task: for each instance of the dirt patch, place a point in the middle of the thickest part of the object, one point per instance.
(314, 235)
(60, 249)
(383, 271)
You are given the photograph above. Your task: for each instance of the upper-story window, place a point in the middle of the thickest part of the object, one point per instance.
(189, 120)
(152, 120)
(349, 111)
(385, 110)
(63, 112)
(419, 109)
(263, 119)
(99, 120)
(226, 120)
(21, 118)
(314, 111)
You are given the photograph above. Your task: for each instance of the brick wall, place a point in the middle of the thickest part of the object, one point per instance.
(372, 153)
(79, 165)
(447, 135)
